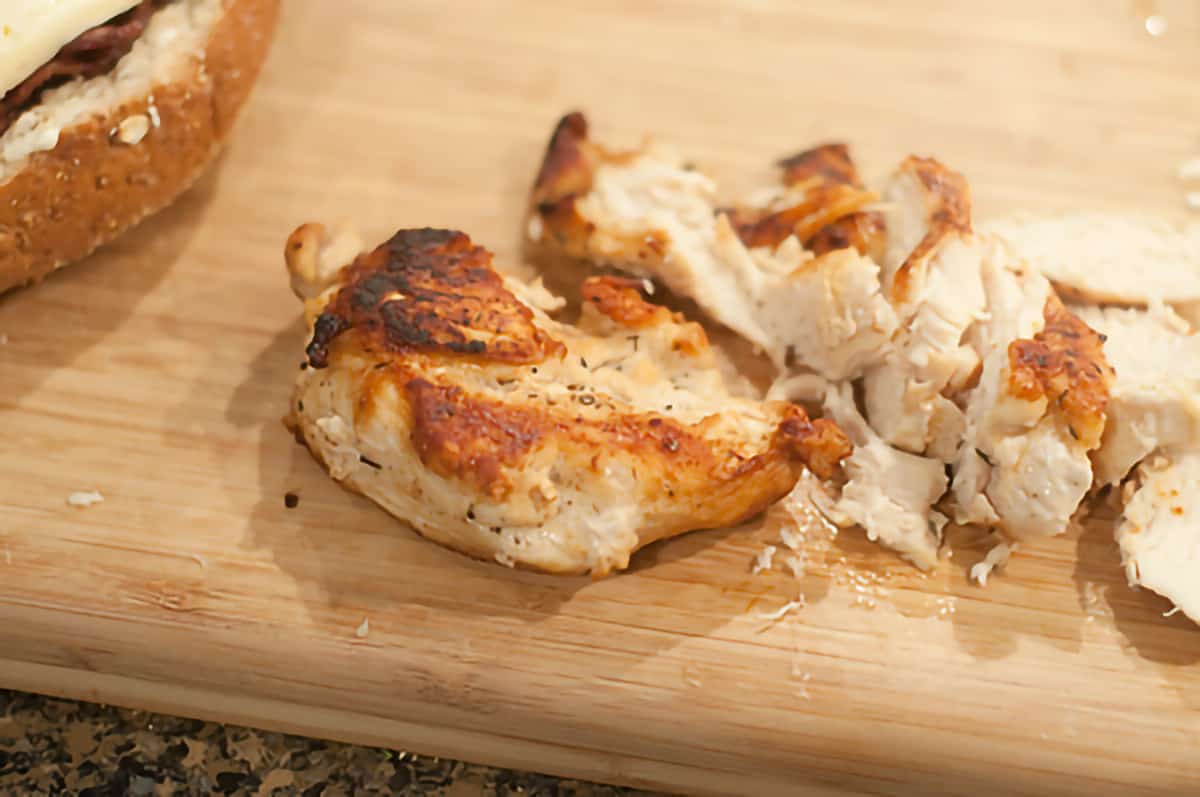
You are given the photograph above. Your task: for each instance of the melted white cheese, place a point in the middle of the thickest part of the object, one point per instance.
(33, 31)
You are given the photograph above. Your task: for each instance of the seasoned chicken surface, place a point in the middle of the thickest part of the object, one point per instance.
(1156, 396)
(1159, 532)
(1038, 411)
(445, 393)
(1153, 437)
(648, 213)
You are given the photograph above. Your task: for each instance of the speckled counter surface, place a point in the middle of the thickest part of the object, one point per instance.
(60, 747)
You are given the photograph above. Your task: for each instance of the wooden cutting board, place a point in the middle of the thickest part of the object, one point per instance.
(157, 372)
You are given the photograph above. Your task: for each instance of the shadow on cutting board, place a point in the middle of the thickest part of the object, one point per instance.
(1139, 615)
(52, 325)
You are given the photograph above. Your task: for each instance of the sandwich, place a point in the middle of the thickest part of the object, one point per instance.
(109, 109)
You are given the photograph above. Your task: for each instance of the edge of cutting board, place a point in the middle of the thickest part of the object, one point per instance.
(512, 752)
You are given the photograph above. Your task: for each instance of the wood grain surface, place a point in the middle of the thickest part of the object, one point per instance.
(157, 371)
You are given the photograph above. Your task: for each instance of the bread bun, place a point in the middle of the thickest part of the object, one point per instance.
(94, 157)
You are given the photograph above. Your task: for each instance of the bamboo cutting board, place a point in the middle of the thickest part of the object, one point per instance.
(157, 372)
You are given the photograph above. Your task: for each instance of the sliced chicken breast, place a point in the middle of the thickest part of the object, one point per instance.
(446, 394)
(647, 213)
(1156, 396)
(1039, 409)
(1110, 258)
(1159, 532)
(931, 276)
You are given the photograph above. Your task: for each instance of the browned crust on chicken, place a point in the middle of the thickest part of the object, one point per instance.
(823, 204)
(461, 436)
(1065, 364)
(566, 175)
(428, 295)
(620, 299)
(949, 196)
(827, 162)
(831, 211)
(566, 167)
(865, 232)
(430, 291)
(829, 218)
(477, 439)
(821, 444)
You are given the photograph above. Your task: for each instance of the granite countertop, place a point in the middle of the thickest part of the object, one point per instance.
(61, 747)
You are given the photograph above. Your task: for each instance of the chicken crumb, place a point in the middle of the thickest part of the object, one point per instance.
(1193, 200)
(998, 556)
(783, 611)
(364, 629)
(763, 560)
(85, 499)
(1190, 170)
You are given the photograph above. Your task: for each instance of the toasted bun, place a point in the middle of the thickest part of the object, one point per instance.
(95, 157)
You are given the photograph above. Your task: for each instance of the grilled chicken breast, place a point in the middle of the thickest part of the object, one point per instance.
(445, 393)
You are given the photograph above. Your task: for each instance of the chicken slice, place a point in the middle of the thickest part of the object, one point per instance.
(1038, 411)
(1159, 532)
(643, 212)
(1103, 249)
(931, 276)
(1153, 431)
(888, 492)
(647, 213)
(432, 389)
(1156, 396)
